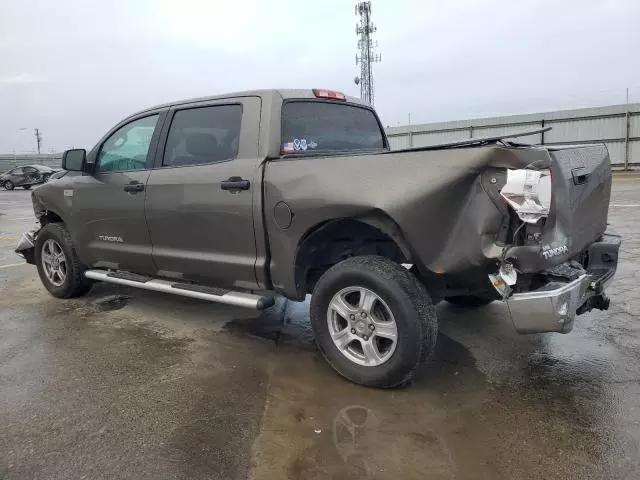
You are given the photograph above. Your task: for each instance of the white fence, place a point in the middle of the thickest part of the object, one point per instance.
(10, 161)
(617, 126)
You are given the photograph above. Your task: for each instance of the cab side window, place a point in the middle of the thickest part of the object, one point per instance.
(203, 135)
(127, 148)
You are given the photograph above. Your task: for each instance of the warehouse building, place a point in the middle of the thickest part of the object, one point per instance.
(618, 126)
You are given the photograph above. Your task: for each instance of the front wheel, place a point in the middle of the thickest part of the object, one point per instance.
(58, 264)
(27, 187)
(373, 321)
(8, 185)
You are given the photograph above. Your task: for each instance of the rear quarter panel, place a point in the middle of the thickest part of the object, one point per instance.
(434, 197)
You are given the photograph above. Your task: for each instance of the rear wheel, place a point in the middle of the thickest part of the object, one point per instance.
(373, 321)
(58, 264)
(27, 187)
(469, 301)
(8, 185)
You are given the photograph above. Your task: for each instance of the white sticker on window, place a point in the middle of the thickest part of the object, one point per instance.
(302, 144)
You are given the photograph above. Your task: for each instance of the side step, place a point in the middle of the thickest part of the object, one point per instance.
(213, 294)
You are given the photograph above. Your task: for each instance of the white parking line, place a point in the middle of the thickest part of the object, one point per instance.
(13, 265)
(625, 205)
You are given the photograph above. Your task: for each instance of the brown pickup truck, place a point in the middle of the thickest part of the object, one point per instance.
(239, 197)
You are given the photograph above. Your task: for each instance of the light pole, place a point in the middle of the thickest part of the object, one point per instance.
(38, 135)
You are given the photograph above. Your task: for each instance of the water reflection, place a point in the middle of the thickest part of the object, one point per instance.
(350, 425)
(373, 448)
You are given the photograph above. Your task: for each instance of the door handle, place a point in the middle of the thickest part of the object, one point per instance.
(235, 183)
(134, 187)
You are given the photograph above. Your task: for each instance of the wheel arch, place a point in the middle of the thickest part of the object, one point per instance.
(49, 216)
(331, 241)
(46, 209)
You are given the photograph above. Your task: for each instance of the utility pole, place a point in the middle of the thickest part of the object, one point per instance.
(367, 51)
(627, 129)
(38, 138)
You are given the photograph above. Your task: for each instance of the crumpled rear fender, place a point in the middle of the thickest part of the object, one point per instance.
(438, 199)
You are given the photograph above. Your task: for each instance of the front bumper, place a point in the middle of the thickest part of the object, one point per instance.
(554, 307)
(26, 245)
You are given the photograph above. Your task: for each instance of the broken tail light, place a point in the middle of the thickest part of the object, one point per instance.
(528, 192)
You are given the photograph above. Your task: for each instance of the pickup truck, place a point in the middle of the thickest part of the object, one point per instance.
(237, 198)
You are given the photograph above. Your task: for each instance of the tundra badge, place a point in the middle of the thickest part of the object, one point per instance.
(110, 238)
(548, 252)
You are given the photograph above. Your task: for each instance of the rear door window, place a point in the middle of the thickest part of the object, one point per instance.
(316, 127)
(203, 135)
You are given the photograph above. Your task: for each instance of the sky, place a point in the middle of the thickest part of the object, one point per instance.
(74, 68)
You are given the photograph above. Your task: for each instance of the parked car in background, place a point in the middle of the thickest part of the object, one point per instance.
(58, 174)
(26, 176)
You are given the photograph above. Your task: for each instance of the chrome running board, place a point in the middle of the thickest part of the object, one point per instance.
(201, 292)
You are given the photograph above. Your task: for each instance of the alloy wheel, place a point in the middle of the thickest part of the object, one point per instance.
(362, 326)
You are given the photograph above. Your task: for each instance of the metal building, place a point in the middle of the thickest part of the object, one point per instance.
(618, 126)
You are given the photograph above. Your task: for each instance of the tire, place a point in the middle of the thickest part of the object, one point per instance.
(469, 301)
(74, 283)
(8, 185)
(27, 187)
(400, 296)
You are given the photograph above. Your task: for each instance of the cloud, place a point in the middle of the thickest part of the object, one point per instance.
(442, 60)
(22, 78)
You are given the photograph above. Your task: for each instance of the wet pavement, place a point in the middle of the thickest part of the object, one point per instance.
(132, 384)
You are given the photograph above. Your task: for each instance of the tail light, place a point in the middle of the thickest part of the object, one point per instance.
(528, 192)
(333, 95)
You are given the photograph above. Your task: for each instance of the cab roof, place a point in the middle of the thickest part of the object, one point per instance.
(266, 94)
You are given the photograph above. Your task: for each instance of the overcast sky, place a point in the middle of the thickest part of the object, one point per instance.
(73, 68)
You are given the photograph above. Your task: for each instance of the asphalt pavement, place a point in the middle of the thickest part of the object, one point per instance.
(130, 384)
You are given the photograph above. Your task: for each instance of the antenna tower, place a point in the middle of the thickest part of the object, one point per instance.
(367, 55)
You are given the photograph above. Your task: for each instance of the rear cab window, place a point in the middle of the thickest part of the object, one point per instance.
(316, 126)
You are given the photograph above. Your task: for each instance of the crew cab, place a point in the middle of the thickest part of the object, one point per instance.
(237, 198)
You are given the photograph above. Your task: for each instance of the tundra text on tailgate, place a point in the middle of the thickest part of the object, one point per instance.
(239, 197)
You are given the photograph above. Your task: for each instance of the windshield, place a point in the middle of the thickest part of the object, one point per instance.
(314, 126)
(43, 168)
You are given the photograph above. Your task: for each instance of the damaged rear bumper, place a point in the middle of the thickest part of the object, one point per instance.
(554, 307)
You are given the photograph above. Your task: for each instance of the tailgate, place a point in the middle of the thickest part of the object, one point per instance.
(581, 186)
(580, 191)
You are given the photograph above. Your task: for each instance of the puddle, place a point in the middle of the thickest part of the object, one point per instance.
(286, 323)
(110, 303)
(268, 325)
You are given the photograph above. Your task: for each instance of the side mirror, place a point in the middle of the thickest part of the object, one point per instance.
(74, 160)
